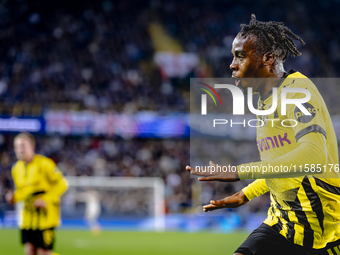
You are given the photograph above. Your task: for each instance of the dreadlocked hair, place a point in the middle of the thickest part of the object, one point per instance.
(272, 36)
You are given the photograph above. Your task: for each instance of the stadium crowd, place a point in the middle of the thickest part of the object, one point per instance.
(99, 55)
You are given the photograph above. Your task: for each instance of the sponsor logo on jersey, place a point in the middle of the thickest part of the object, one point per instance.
(301, 117)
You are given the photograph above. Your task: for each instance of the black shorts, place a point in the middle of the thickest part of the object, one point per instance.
(39, 238)
(265, 240)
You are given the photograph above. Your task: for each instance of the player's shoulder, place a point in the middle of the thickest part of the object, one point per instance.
(295, 79)
(43, 159)
(17, 165)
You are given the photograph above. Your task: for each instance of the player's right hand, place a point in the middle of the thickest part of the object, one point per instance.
(39, 203)
(233, 201)
(9, 197)
(228, 176)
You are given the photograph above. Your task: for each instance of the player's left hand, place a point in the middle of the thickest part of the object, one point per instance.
(39, 203)
(227, 176)
(9, 197)
(233, 201)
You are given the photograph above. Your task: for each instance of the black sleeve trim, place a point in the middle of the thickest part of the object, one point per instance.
(309, 129)
(38, 193)
(330, 188)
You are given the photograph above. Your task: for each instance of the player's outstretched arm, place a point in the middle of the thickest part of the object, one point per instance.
(311, 150)
(233, 201)
(254, 189)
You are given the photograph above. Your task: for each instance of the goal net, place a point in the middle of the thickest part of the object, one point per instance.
(91, 198)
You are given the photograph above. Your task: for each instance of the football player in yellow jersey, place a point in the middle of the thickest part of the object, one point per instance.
(39, 185)
(305, 211)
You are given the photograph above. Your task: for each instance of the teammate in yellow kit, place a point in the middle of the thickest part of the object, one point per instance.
(305, 213)
(39, 185)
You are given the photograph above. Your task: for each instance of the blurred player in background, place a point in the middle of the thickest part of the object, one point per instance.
(91, 197)
(304, 214)
(39, 185)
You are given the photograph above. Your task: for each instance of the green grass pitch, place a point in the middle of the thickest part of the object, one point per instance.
(125, 242)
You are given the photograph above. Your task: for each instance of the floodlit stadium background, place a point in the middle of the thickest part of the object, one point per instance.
(104, 86)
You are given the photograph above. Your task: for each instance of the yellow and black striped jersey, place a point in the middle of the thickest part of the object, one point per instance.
(38, 179)
(304, 207)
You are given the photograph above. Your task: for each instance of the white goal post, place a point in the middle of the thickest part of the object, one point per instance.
(156, 183)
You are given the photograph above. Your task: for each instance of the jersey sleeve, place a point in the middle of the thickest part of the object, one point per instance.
(56, 179)
(255, 189)
(19, 194)
(305, 124)
(310, 134)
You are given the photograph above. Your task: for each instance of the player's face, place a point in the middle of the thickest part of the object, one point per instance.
(23, 149)
(247, 63)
